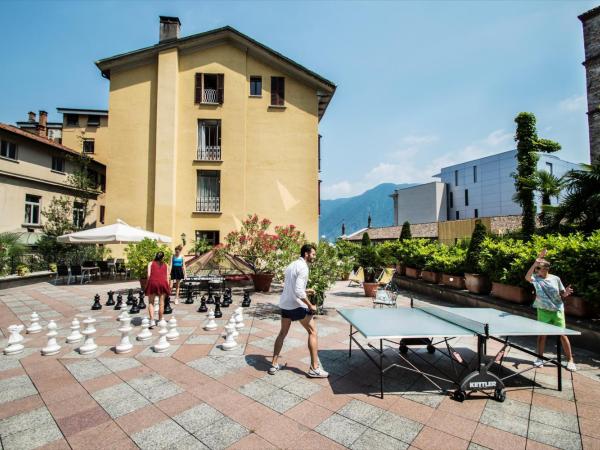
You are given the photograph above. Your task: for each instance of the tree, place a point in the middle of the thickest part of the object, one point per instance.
(405, 232)
(477, 238)
(548, 186)
(366, 240)
(11, 251)
(528, 146)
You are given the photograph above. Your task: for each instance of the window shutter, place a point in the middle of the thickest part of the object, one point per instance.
(274, 96)
(281, 90)
(220, 87)
(198, 89)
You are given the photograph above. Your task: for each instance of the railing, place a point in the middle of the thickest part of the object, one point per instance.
(209, 153)
(209, 96)
(208, 204)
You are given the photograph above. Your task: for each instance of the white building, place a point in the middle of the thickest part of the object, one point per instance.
(424, 203)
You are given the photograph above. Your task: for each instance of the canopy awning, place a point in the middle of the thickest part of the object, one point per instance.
(118, 233)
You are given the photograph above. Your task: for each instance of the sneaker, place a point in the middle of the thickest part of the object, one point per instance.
(571, 366)
(317, 373)
(538, 362)
(274, 369)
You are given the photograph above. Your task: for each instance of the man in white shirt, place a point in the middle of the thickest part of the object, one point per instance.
(295, 306)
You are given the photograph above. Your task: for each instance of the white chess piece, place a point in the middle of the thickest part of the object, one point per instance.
(211, 324)
(35, 326)
(173, 333)
(239, 319)
(75, 335)
(145, 334)
(229, 343)
(89, 346)
(239, 312)
(123, 315)
(51, 348)
(232, 323)
(125, 328)
(162, 345)
(14, 346)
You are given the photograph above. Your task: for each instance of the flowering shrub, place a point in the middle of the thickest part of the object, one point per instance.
(253, 244)
(289, 242)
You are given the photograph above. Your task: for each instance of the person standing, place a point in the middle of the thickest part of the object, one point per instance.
(295, 306)
(177, 270)
(158, 286)
(549, 296)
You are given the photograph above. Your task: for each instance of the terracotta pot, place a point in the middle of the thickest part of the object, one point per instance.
(143, 283)
(431, 277)
(411, 272)
(578, 307)
(400, 269)
(453, 281)
(477, 284)
(513, 294)
(262, 281)
(370, 289)
(345, 276)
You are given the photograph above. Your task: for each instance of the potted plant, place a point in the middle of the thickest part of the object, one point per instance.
(139, 254)
(434, 264)
(370, 261)
(323, 273)
(22, 270)
(201, 246)
(415, 254)
(475, 281)
(452, 267)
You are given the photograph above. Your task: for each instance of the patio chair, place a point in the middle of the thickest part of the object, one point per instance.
(121, 269)
(357, 277)
(62, 271)
(383, 298)
(386, 276)
(104, 269)
(77, 272)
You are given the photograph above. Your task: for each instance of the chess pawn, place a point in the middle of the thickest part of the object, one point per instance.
(210, 300)
(203, 307)
(52, 348)
(111, 300)
(246, 300)
(145, 334)
(130, 298)
(211, 324)
(168, 309)
(96, 306)
(229, 343)
(223, 303)
(173, 333)
(218, 313)
(119, 302)
(89, 346)
(35, 326)
(188, 296)
(162, 345)
(134, 306)
(14, 346)
(141, 302)
(122, 315)
(125, 328)
(75, 335)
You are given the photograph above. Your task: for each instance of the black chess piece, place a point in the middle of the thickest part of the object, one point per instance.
(203, 307)
(134, 306)
(218, 312)
(97, 305)
(141, 303)
(119, 301)
(224, 303)
(130, 299)
(246, 300)
(211, 298)
(168, 309)
(189, 300)
(111, 300)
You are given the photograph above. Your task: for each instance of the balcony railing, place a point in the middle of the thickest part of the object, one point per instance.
(208, 204)
(209, 153)
(209, 96)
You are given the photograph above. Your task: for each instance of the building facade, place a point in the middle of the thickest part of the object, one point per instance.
(86, 131)
(41, 127)
(209, 128)
(424, 203)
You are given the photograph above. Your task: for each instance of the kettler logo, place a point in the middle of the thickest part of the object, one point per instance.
(482, 384)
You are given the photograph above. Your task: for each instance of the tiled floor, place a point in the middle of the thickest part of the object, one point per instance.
(198, 396)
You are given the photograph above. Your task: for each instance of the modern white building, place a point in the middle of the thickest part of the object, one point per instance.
(424, 203)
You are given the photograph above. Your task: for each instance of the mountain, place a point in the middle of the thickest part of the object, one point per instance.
(354, 211)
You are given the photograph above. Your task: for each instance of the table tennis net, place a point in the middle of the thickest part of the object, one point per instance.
(447, 315)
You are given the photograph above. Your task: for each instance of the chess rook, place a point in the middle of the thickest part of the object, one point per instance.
(111, 300)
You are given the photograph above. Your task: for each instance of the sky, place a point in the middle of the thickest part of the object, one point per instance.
(420, 85)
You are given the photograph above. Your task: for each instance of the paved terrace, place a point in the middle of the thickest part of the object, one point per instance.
(195, 396)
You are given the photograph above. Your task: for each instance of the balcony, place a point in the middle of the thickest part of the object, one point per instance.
(209, 153)
(209, 96)
(208, 204)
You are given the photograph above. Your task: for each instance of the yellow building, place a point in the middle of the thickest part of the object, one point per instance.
(208, 128)
(86, 130)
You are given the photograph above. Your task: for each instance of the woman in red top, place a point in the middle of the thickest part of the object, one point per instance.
(158, 285)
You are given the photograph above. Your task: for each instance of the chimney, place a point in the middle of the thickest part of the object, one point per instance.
(41, 127)
(169, 28)
(31, 115)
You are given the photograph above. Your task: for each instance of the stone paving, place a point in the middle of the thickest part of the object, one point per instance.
(197, 396)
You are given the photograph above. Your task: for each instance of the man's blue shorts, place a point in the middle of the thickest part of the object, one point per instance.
(295, 314)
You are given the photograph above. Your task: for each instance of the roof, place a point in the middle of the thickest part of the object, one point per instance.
(589, 14)
(41, 140)
(28, 124)
(417, 230)
(98, 112)
(326, 88)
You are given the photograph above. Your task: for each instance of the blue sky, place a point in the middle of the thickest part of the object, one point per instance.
(420, 84)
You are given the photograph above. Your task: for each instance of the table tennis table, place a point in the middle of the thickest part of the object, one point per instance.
(424, 324)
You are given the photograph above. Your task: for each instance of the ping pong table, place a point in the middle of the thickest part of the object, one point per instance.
(424, 324)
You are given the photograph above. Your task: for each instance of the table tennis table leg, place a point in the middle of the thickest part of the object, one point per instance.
(381, 366)
(350, 346)
(559, 363)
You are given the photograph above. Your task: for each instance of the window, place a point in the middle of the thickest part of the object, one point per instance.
(456, 178)
(93, 121)
(476, 213)
(72, 120)
(102, 213)
(212, 237)
(277, 91)
(474, 174)
(32, 209)
(58, 164)
(256, 86)
(88, 146)
(103, 183)
(549, 168)
(209, 191)
(466, 197)
(457, 215)
(78, 214)
(8, 149)
(451, 199)
(209, 140)
(209, 88)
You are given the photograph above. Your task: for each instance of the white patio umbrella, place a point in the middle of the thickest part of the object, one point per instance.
(118, 233)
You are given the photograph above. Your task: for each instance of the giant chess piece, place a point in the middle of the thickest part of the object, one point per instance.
(96, 306)
(203, 307)
(173, 333)
(229, 343)
(119, 304)
(145, 334)
(232, 323)
(75, 335)
(189, 300)
(89, 346)
(134, 306)
(162, 345)
(124, 345)
(168, 309)
(52, 347)
(227, 297)
(111, 300)
(218, 313)
(35, 326)
(239, 319)
(246, 300)
(130, 298)
(222, 304)
(141, 302)
(14, 346)
(209, 293)
(211, 325)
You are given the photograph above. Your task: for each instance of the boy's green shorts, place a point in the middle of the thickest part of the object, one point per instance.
(556, 318)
